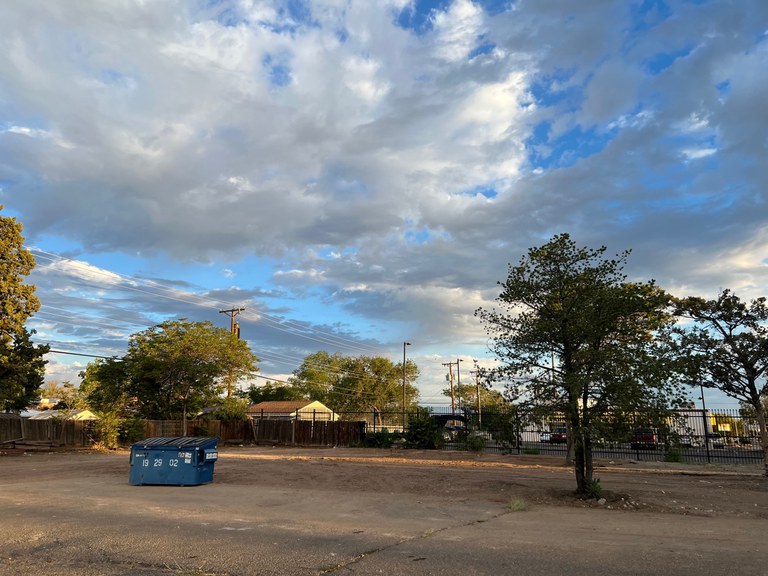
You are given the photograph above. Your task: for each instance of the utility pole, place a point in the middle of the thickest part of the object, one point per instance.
(233, 326)
(404, 345)
(235, 329)
(458, 382)
(477, 386)
(450, 379)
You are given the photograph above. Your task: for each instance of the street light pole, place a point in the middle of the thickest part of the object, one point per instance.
(458, 381)
(404, 345)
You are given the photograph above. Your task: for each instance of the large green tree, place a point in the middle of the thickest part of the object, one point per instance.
(17, 299)
(571, 332)
(727, 349)
(271, 393)
(22, 370)
(170, 371)
(106, 388)
(356, 384)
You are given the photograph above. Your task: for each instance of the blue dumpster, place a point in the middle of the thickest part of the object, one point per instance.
(182, 461)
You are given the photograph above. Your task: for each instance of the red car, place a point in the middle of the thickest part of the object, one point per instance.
(558, 436)
(645, 439)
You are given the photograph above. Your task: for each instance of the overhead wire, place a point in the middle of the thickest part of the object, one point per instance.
(162, 291)
(190, 298)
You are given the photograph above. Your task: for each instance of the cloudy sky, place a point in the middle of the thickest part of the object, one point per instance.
(358, 173)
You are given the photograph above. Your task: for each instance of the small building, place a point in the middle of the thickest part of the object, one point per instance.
(47, 403)
(65, 415)
(292, 410)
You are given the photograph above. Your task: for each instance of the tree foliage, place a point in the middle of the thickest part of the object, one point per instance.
(170, 371)
(17, 299)
(179, 367)
(22, 370)
(106, 387)
(231, 410)
(356, 384)
(466, 395)
(22, 367)
(572, 333)
(271, 393)
(727, 349)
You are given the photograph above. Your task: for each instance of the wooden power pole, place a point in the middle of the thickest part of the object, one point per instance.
(234, 327)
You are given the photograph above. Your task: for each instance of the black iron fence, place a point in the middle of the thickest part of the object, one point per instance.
(693, 435)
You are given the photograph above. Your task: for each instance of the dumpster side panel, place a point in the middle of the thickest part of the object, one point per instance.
(173, 461)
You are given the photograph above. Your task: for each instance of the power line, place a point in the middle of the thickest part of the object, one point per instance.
(81, 354)
(287, 326)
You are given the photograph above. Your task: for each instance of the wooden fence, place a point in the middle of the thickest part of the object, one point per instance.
(75, 433)
(266, 431)
(259, 431)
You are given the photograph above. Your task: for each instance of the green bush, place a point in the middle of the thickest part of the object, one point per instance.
(472, 443)
(423, 432)
(380, 439)
(673, 454)
(131, 430)
(594, 490)
(107, 430)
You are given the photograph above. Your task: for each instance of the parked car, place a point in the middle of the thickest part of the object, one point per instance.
(545, 437)
(558, 436)
(644, 439)
(453, 426)
(715, 440)
(686, 441)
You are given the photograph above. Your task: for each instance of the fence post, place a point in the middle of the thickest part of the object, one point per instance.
(706, 434)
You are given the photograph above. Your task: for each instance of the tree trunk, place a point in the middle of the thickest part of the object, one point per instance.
(579, 459)
(569, 445)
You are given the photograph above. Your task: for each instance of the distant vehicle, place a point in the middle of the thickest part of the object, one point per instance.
(686, 441)
(558, 436)
(454, 427)
(715, 440)
(644, 439)
(545, 437)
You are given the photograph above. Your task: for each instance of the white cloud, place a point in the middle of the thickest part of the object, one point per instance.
(698, 153)
(350, 155)
(457, 30)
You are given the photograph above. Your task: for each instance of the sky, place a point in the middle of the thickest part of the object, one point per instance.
(356, 174)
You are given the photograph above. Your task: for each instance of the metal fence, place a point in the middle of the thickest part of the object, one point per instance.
(693, 435)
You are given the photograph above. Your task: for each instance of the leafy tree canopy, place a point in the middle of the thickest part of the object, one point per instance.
(272, 392)
(17, 300)
(727, 349)
(22, 370)
(355, 384)
(571, 332)
(171, 370)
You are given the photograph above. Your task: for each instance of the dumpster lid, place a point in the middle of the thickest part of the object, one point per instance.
(178, 441)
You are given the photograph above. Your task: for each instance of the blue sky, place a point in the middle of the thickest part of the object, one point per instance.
(356, 174)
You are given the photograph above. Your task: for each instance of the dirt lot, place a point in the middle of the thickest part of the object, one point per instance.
(300, 511)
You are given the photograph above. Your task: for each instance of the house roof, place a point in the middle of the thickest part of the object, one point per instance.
(65, 415)
(279, 406)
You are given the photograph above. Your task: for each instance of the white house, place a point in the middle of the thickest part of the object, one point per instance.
(292, 409)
